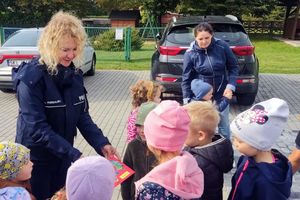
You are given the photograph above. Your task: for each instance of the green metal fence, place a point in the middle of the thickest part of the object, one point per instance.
(252, 27)
(146, 33)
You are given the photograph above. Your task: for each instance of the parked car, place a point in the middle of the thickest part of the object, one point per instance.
(21, 46)
(167, 60)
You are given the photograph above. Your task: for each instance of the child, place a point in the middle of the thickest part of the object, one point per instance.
(203, 92)
(177, 175)
(90, 178)
(15, 167)
(141, 92)
(294, 157)
(213, 153)
(14, 193)
(137, 155)
(262, 172)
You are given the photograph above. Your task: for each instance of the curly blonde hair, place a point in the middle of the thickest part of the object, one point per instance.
(61, 24)
(143, 91)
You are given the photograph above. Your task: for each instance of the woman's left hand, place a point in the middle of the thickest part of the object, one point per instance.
(228, 93)
(109, 151)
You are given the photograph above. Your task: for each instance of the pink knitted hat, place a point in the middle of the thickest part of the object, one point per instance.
(166, 127)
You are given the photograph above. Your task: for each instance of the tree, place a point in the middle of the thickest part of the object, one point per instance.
(109, 5)
(38, 12)
(256, 8)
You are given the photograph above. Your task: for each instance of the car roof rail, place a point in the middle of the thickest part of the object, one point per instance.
(232, 17)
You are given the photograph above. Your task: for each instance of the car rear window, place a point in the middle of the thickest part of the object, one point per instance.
(22, 38)
(181, 34)
(231, 33)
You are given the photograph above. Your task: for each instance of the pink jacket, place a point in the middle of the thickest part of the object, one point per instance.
(131, 128)
(180, 175)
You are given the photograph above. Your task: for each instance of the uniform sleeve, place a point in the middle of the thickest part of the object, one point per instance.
(33, 115)
(91, 132)
(297, 141)
(232, 67)
(126, 185)
(187, 76)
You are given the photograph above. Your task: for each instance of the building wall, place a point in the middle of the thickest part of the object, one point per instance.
(123, 23)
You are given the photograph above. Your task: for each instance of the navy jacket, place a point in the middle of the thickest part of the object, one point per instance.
(216, 65)
(214, 159)
(262, 180)
(51, 107)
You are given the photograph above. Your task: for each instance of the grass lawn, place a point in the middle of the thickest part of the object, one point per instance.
(274, 57)
(140, 60)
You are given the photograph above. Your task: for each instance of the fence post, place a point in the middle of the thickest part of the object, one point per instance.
(2, 36)
(127, 45)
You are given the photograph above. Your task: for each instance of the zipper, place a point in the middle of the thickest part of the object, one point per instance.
(240, 178)
(211, 67)
(220, 84)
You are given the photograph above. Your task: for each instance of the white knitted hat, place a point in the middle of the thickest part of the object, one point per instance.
(261, 125)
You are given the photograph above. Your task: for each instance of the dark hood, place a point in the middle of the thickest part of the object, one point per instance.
(219, 152)
(279, 174)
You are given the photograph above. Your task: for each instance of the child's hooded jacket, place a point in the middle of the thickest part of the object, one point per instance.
(262, 180)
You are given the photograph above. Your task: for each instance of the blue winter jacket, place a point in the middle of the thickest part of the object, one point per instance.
(216, 65)
(262, 180)
(51, 107)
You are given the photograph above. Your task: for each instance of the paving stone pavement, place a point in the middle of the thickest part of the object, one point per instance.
(110, 104)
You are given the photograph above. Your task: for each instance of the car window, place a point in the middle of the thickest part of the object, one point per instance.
(231, 33)
(181, 34)
(22, 38)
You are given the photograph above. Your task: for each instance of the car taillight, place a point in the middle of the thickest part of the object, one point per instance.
(243, 50)
(170, 51)
(17, 57)
(166, 79)
(246, 80)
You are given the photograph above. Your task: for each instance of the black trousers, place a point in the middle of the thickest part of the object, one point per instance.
(48, 177)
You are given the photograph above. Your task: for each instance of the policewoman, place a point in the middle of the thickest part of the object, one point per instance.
(52, 104)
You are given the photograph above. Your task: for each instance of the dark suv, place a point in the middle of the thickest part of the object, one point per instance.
(167, 60)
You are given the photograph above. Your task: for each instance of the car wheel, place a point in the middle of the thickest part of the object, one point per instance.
(153, 70)
(91, 72)
(245, 99)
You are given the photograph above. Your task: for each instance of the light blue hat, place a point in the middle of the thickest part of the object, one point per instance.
(200, 88)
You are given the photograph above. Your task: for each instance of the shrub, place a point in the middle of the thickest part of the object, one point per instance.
(106, 41)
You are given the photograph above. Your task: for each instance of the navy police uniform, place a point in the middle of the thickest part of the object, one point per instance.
(51, 108)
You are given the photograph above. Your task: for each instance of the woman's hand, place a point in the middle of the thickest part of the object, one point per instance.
(227, 93)
(110, 151)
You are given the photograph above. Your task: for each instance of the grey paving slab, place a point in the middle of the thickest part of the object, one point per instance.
(110, 105)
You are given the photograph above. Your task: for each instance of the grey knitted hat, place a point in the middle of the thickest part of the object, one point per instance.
(261, 125)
